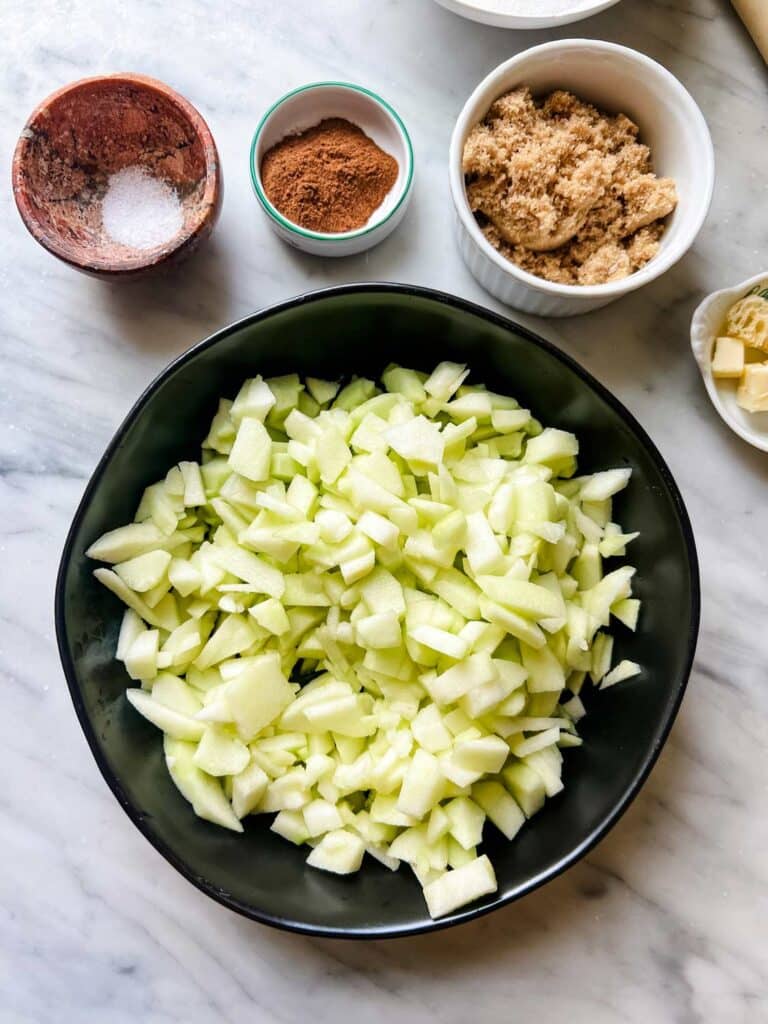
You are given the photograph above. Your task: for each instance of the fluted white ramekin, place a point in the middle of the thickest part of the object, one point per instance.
(613, 78)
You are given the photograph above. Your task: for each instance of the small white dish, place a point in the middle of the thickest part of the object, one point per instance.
(706, 325)
(306, 106)
(613, 78)
(501, 12)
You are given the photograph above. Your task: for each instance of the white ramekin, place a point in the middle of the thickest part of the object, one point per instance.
(488, 12)
(706, 325)
(617, 79)
(307, 106)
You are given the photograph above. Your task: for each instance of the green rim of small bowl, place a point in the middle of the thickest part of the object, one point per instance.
(289, 225)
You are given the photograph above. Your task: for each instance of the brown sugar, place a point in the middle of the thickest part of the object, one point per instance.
(330, 178)
(564, 190)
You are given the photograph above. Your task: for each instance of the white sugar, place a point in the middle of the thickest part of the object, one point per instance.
(140, 211)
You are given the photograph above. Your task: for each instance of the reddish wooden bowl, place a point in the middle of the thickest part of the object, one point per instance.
(80, 135)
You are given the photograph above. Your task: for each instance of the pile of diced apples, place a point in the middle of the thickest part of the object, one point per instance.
(370, 611)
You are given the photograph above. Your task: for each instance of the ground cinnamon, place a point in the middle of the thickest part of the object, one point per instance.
(329, 178)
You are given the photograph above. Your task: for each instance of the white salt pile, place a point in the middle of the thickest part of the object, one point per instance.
(140, 211)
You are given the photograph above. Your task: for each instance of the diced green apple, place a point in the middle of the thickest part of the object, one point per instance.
(370, 613)
(172, 723)
(251, 452)
(340, 852)
(526, 786)
(126, 542)
(460, 886)
(422, 787)
(202, 791)
(257, 695)
(500, 807)
(624, 670)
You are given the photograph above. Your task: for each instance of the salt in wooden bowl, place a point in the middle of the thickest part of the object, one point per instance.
(84, 133)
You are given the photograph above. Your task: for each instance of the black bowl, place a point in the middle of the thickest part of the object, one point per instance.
(360, 328)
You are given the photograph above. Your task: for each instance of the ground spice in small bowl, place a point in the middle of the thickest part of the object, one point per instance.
(330, 178)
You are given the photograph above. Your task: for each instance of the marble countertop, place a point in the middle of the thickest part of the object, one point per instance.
(665, 920)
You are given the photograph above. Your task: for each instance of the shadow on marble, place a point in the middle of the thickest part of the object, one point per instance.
(752, 459)
(640, 342)
(655, 352)
(486, 46)
(170, 312)
(656, 321)
(377, 264)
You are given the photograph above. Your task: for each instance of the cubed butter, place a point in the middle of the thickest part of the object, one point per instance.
(752, 393)
(728, 360)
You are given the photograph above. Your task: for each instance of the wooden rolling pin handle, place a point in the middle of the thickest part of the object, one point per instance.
(754, 14)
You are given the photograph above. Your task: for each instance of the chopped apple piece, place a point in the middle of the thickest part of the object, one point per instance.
(172, 723)
(252, 450)
(460, 886)
(202, 791)
(340, 852)
(219, 753)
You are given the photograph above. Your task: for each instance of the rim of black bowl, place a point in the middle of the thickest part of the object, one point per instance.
(609, 820)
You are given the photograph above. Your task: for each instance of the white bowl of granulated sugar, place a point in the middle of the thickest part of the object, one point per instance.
(526, 13)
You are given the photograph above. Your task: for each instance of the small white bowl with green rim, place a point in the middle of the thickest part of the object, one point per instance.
(305, 107)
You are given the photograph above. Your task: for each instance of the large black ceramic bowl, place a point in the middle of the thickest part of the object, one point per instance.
(361, 328)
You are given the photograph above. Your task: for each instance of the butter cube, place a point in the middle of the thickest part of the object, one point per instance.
(752, 393)
(728, 360)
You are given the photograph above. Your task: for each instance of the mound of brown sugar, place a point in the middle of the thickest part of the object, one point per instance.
(564, 190)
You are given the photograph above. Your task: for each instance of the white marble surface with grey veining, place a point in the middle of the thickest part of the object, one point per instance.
(666, 920)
